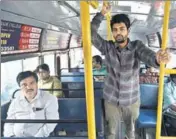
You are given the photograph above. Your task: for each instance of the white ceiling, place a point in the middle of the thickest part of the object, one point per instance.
(66, 14)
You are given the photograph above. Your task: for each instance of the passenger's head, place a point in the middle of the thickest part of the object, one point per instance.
(173, 77)
(120, 24)
(97, 61)
(150, 69)
(43, 71)
(27, 81)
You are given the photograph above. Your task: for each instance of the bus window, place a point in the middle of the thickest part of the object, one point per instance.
(49, 59)
(9, 72)
(76, 56)
(64, 62)
(30, 63)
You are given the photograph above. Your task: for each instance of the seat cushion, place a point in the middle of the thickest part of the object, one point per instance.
(147, 118)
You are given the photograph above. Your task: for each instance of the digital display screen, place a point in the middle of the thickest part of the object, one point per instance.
(19, 38)
(54, 40)
(153, 40)
(75, 41)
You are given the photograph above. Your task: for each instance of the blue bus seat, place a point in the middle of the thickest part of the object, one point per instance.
(77, 89)
(147, 119)
(4, 110)
(72, 77)
(148, 96)
(75, 109)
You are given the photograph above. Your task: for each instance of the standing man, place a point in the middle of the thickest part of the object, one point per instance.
(121, 90)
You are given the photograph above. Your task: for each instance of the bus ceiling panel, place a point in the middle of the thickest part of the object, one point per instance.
(74, 4)
(46, 11)
(142, 7)
(10, 16)
(70, 7)
(70, 23)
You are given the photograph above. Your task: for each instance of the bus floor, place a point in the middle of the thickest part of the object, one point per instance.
(150, 134)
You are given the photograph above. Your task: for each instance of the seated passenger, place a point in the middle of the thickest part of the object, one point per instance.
(169, 105)
(31, 104)
(170, 93)
(48, 82)
(98, 68)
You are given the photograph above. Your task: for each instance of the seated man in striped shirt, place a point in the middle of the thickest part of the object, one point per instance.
(31, 104)
(121, 88)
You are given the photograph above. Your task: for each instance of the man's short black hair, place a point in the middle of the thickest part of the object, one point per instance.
(120, 18)
(98, 59)
(25, 74)
(43, 67)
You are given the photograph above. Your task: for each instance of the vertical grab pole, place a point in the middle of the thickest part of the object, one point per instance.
(108, 18)
(85, 22)
(108, 24)
(162, 68)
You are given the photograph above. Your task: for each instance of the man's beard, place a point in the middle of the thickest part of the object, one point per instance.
(122, 40)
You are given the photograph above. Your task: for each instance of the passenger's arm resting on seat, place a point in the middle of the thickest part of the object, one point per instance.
(97, 40)
(57, 85)
(51, 112)
(9, 127)
(146, 55)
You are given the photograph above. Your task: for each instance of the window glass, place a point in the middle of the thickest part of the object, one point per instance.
(30, 63)
(49, 59)
(9, 72)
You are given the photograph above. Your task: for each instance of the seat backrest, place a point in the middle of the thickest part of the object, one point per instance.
(4, 110)
(75, 109)
(149, 95)
(72, 108)
(77, 89)
(72, 77)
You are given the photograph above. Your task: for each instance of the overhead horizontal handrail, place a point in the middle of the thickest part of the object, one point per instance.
(42, 121)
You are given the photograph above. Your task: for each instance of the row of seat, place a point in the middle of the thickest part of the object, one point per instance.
(75, 108)
(148, 96)
(72, 109)
(77, 89)
(148, 114)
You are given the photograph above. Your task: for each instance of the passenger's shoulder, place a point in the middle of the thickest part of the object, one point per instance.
(168, 85)
(55, 79)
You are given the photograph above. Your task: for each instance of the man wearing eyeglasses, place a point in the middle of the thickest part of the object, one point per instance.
(31, 104)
